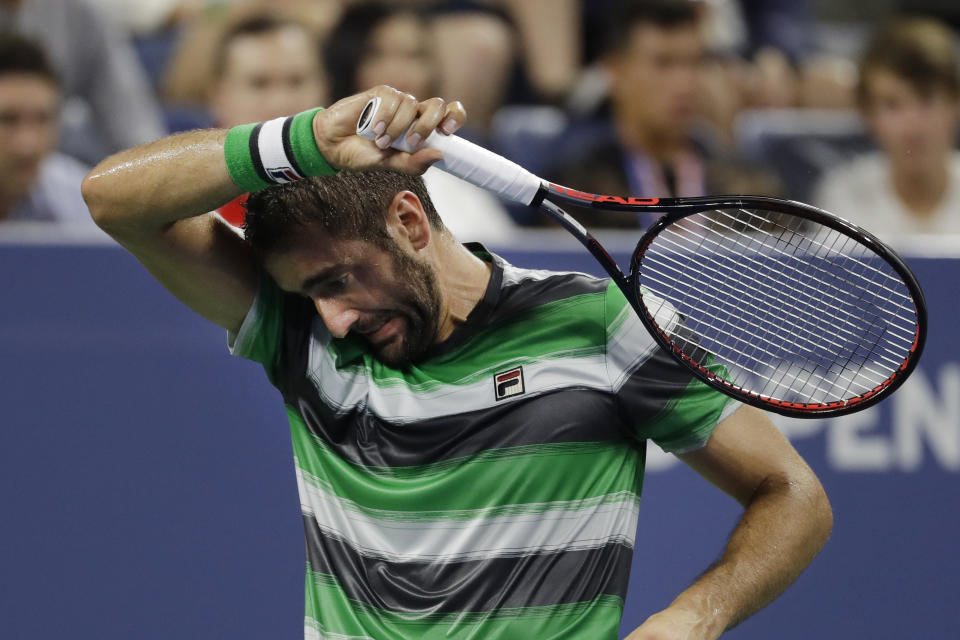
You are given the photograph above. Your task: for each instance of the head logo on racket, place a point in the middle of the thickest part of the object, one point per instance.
(508, 383)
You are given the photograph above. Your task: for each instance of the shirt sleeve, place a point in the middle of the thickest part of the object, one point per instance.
(658, 398)
(261, 334)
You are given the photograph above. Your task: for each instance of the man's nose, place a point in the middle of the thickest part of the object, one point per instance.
(338, 317)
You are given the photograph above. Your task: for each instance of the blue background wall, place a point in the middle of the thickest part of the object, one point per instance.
(147, 488)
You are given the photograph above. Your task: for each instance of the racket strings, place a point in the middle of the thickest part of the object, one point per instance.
(844, 313)
(773, 295)
(810, 284)
(752, 320)
(845, 253)
(803, 242)
(852, 354)
(817, 282)
(795, 310)
(842, 252)
(754, 357)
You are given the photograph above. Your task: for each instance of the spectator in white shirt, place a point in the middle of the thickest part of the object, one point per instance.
(97, 68)
(37, 184)
(909, 93)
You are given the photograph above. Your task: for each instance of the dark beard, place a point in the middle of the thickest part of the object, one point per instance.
(419, 306)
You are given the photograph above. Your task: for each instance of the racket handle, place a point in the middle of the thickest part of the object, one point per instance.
(465, 160)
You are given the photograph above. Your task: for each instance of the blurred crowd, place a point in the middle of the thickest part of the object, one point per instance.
(657, 98)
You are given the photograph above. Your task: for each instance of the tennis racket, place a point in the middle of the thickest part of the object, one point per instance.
(776, 303)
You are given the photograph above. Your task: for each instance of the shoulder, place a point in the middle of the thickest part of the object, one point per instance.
(578, 297)
(548, 285)
(850, 180)
(865, 167)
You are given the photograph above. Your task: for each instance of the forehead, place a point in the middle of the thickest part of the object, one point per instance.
(311, 249)
(647, 38)
(886, 81)
(290, 46)
(27, 89)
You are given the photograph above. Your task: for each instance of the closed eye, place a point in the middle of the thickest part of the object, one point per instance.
(328, 282)
(329, 287)
(337, 285)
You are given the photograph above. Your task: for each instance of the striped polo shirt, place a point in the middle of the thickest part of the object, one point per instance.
(491, 489)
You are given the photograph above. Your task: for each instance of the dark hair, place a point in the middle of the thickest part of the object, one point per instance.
(22, 55)
(348, 43)
(255, 25)
(629, 14)
(920, 51)
(349, 205)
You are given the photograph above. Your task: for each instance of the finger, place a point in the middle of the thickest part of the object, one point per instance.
(454, 118)
(339, 121)
(416, 162)
(403, 116)
(431, 113)
(390, 100)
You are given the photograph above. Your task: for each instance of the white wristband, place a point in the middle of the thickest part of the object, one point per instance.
(278, 162)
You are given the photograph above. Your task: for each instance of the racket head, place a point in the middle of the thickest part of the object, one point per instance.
(783, 306)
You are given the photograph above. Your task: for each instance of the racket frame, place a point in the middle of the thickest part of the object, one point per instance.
(512, 182)
(676, 209)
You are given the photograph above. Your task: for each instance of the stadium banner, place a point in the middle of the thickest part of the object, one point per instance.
(147, 486)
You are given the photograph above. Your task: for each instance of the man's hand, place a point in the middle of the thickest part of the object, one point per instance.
(335, 129)
(674, 623)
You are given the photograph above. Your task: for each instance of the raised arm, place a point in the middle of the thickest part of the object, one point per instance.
(786, 521)
(153, 199)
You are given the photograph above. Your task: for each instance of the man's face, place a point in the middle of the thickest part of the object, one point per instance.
(915, 130)
(387, 297)
(267, 76)
(28, 130)
(656, 77)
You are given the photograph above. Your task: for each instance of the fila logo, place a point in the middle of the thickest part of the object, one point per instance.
(281, 174)
(509, 383)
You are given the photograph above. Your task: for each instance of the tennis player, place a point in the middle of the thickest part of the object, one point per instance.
(469, 436)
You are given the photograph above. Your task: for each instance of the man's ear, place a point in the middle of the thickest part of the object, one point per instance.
(408, 222)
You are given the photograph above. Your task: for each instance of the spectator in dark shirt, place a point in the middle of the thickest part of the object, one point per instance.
(654, 62)
(655, 142)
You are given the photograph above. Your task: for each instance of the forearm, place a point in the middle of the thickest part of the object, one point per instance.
(784, 526)
(147, 188)
(153, 199)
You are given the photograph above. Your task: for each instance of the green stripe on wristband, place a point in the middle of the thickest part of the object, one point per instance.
(305, 151)
(236, 151)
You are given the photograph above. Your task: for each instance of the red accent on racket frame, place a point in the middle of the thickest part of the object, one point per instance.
(593, 197)
(804, 406)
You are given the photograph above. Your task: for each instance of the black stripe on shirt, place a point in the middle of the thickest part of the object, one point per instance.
(567, 415)
(472, 585)
(525, 295)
